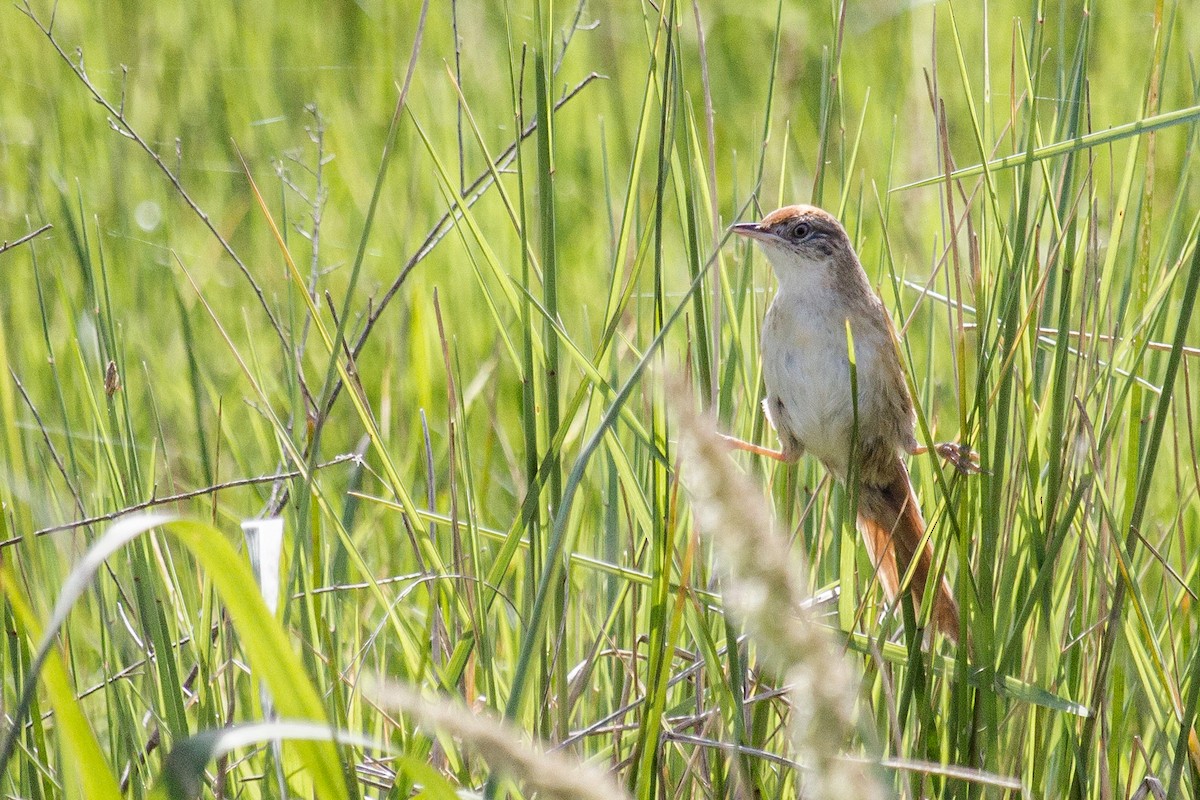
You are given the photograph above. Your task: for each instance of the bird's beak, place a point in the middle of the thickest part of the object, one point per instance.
(754, 230)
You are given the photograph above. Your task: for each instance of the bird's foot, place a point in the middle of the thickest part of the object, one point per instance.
(961, 457)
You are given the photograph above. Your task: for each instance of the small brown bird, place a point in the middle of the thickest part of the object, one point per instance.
(806, 367)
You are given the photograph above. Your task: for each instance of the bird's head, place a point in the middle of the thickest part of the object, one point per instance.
(804, 232)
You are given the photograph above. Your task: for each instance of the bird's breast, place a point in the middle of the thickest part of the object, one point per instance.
(806, 367)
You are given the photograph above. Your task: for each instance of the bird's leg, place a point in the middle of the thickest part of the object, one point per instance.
(961, 457)
(749, 447)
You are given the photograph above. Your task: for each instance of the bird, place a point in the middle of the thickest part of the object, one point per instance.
(824, 305)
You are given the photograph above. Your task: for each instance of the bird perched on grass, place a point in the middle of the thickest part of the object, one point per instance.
(823, 304)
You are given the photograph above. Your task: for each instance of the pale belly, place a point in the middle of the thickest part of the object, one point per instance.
(807, 373)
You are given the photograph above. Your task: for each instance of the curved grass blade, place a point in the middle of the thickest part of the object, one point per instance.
(79, 742)
(266, 646)
(182, 775)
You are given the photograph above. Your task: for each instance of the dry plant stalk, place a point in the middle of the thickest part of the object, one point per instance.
(506, 748)
(764, 588)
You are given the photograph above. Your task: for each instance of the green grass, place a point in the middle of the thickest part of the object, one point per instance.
(1020, 187)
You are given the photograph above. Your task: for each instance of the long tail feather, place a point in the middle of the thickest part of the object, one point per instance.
(891, 524)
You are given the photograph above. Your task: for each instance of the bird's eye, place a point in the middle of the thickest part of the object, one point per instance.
(801, 231)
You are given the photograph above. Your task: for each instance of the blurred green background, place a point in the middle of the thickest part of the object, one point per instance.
(702, 114)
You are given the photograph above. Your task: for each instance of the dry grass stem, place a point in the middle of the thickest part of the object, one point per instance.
(506, 748)
(764, 588)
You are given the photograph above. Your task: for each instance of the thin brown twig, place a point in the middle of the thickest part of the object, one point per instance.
(181, 496)
(6, 246)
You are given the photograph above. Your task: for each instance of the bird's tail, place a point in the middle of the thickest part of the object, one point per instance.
(892, 527)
